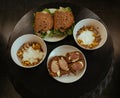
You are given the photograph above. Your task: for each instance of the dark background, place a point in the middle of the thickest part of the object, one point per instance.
(12, 10)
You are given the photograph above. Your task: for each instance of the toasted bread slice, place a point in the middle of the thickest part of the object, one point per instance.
(63, 19)
(43, 22)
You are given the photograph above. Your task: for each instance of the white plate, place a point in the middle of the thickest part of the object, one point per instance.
(62, 50)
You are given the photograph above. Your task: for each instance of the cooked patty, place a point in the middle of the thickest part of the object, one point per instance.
(63, 20)
(43, 22)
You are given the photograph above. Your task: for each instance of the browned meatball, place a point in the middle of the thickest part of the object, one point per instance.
(76, 67)
(74, 56)
(53, 67)
(58, 66)
(43, 22)
(63, 20)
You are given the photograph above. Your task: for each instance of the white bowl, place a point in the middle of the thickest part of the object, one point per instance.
(62, 50)
(24, 39)
(97, 25)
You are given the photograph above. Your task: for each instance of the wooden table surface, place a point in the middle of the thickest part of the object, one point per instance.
(12, 10)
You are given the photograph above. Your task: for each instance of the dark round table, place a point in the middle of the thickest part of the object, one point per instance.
(37, 83)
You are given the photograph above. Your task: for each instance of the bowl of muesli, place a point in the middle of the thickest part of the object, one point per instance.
(90, 34)
(28, 51)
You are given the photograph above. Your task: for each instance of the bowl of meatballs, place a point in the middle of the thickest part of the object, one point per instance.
(66, 64)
